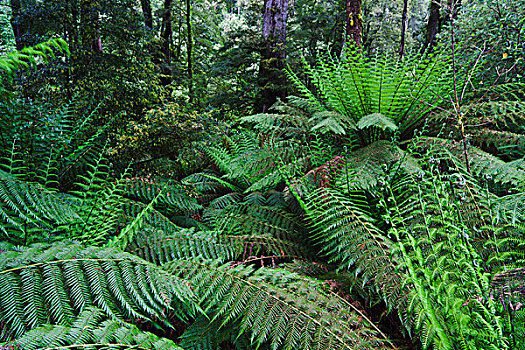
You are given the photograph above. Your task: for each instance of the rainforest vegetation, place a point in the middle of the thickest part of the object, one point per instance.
(262, 174)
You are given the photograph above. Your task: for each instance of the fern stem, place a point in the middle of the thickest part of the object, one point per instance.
(63, 261)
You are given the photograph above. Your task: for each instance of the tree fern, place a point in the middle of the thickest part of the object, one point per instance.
(356, 88)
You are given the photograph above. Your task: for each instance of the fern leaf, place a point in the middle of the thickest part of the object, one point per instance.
(348, 237)
(279, 307)
(31, 204)
(57, 282)
(377, 120)
(91, 330)
(366, 165)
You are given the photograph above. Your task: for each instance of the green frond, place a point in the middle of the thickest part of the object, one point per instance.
(91, 330)
(510, 208)
(247, 218)
(483, 164)
(331, 122)
(209, 186)
(53, 284)
(161, 247)
(377, 120)
(292, 119)
(278, 307)
(26, 57)
(364, 167)
(172, 195)
(205, 335)
(347, 236)
(28, 209)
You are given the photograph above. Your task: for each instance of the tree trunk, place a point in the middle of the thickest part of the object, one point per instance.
(433, 25)
(146, 11)
(167, 32)
(73, 40)
(90, 26)
(271, 78)
(16, 11)
(189, 47)
(354, 23)
(403, 28)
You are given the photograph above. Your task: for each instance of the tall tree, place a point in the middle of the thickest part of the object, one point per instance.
(90, 24)
(433, 25)
(16, 10)
(166, 34)
(189, 47)
(354, 22)
(271, 78)
(403, 28)
(146, 11)
(166, 30)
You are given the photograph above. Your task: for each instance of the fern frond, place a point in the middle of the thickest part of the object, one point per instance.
(258, 220)
(377, 120)
(347, 236)
(161, 247)
(28, 207)
(91, 330)
(205, 335)
(366, 165)
(173, 195)
(53, 284)
(510, 208)
(481, 163)
(279, 308)
(26, 57)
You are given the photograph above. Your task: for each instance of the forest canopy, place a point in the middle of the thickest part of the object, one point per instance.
(262, 174)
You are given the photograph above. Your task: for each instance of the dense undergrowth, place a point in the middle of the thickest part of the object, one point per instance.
(374, 210)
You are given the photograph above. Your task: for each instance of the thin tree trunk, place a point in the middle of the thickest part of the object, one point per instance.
(146, 11)
(189, 47)
(167, 33)
(403, 28)
(16, 11)
(271, 78)
(354, 23)
(73, 35)
(433, 25)
(178, 49)
(89, 17)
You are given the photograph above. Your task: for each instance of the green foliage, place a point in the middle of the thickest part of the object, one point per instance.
(30, 56)
(276, 306)
(169, 131)
(92, 330)
(331, 224)
(363, 97)
(493, 31)
(446, 275)
(69, 278)
(30, 211)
